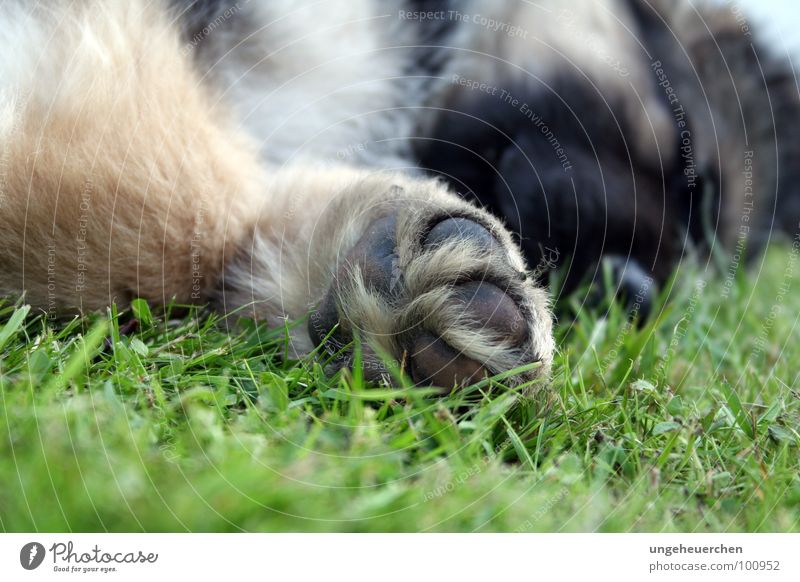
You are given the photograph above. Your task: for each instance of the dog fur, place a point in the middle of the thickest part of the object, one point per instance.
(236, 153)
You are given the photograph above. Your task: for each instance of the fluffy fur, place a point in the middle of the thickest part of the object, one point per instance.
(241, 153)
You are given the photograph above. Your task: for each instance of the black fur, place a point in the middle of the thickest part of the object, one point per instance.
(581, 190)
(741, 97)
(195, 15)
(608, 200)
(564, 175)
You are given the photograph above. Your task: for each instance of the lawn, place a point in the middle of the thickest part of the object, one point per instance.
(687, 421)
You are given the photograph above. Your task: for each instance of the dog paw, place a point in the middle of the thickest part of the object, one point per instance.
(439, 286)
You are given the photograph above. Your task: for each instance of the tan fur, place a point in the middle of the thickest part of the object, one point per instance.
(120, 178)
(325, 212)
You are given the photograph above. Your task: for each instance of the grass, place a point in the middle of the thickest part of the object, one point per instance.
(687, 422)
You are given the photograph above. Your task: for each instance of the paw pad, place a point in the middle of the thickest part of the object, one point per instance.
(448, 330)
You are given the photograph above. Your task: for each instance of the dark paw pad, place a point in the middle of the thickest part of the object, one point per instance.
(478, 306)
(434, 362)
(459, 228)
(375, 255)
(448, 330)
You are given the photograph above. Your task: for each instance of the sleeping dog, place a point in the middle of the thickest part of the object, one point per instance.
(400, 172)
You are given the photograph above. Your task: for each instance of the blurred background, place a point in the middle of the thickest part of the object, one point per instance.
(781, 17)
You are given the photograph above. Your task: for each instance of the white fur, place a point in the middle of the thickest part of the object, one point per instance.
(315, 80)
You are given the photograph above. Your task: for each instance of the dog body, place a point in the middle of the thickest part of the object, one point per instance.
(275, 157)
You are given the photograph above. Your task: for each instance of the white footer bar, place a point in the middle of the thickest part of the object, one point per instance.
(405, 557)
